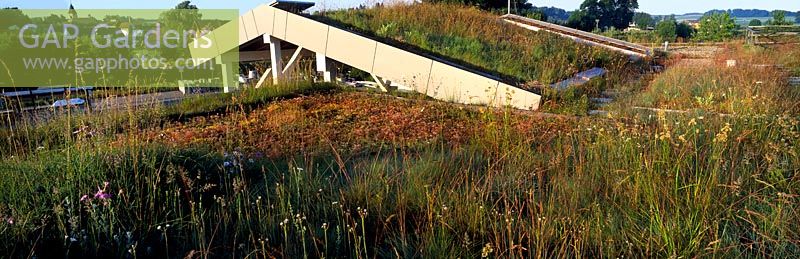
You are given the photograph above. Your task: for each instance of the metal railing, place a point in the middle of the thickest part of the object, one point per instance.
(594, 39)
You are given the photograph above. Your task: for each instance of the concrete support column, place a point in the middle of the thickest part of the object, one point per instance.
(229, 79)
(275, 56)
(230, 71)
(327, 67)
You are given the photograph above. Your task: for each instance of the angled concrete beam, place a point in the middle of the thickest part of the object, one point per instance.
(292, 61)
(263, 78)
(384, 86)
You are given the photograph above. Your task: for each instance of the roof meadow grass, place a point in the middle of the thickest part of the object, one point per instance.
(476, 39)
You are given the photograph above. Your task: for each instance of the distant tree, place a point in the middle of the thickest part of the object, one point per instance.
(553, 14)
(742, 12)
(779, 18)
(755, 22)
(581, 20)
(485, 4)
(716, 27)
(684, 31)
(667, 30)
(599, 14)
(534, 14)
(186, 5)
(643, 20)
(184, 16)
(12, 16)
(797, 19)
(54, 19)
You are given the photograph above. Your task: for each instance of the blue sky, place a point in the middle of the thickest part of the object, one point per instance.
(650, 6)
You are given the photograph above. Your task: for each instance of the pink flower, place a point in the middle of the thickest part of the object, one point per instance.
(10, 221)
(84, 197)
(101, 194)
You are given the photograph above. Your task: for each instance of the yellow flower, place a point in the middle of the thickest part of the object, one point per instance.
(722, 136)
(487, 250)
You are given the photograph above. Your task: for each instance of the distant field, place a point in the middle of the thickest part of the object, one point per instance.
(739, 20)
(746, 20)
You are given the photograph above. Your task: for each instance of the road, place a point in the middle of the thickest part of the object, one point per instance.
(120, 102)
(43, 114)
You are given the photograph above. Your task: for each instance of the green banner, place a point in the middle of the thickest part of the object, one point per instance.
(117, 48)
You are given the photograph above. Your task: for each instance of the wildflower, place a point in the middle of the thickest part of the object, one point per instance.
(487, 250)
(100, 194)
(10, 220)
(722, 136)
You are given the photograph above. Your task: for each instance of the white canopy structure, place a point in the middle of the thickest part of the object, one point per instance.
(270, 33)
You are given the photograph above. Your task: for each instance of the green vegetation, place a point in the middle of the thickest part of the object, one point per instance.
(483, 4)
(600, 15)
(779, 19)
(747, 89)
(667, 30)
(30, 135)
(479, 183)
(476, 39)
(309, 170)
(755, 22)
(643, 20)
(716, 27)
(684, 31)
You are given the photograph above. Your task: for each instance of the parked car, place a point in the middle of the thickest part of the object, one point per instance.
(74, 102)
